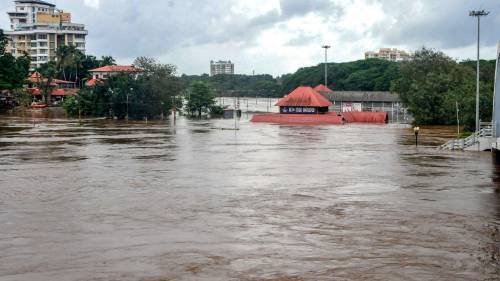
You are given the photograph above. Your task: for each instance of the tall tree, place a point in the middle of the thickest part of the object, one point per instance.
(432, 84)
(48, 72)
(107, 60)
(200, 98)
(13, 72)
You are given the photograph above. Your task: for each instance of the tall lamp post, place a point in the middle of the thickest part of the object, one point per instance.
(326, 47)
(478, 14)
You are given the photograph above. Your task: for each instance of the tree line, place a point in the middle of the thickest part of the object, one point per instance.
(225, 85)
(431, 85)
(151, 94)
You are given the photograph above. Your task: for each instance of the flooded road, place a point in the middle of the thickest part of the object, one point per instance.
(114, 201)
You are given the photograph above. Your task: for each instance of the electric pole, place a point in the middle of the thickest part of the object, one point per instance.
(478, 14)
(326, 47)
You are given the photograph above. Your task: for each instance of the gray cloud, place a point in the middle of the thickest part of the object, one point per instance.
(440, 24)
(175, 29)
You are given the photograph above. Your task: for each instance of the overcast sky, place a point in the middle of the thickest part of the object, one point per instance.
(275, 36)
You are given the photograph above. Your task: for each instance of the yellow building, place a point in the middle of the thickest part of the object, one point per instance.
(38, 29)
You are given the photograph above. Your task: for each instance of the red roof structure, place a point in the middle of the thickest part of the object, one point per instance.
(329, 118)
(117, 68)
(35, 75)
(304, 96)
(93, 82)
(55, 92)
(365, 117)
(59, 81)
(322, 88)
(58, 92)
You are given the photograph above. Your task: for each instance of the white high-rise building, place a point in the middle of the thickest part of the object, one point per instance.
(221, 67)
(389, 54)
(38, 29)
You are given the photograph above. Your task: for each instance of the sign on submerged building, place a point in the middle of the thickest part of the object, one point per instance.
(298, 109)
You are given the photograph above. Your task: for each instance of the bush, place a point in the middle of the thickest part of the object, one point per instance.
(216, 110)
(71, 106)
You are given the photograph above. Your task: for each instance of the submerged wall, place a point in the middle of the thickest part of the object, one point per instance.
(496, 95)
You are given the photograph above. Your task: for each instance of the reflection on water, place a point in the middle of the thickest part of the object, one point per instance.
(114, 201)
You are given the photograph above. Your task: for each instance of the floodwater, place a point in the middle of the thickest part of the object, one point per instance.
(105, 200)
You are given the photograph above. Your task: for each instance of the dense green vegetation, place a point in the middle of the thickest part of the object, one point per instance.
(201, 99)
(73, 65)
(361, 75)
(13, 72)
(432, 84)
(150, 95)
(238, 85)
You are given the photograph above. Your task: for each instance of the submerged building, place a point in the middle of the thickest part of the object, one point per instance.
(304, 100)
(38, 28)
(305, 105)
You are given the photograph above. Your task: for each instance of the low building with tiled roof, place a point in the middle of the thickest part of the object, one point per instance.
(110, 70)
(304, 100)
(322, 89)
(93, 82)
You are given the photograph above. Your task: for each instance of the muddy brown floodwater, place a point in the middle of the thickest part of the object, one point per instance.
(112, 201)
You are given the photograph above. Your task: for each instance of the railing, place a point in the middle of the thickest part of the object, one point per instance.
(486, 131)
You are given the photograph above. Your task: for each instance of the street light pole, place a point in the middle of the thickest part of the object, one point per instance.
(478, 14)
(326, 47)
(127, 109)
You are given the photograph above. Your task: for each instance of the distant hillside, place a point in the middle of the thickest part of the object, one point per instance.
(263, 85)
(361, 75)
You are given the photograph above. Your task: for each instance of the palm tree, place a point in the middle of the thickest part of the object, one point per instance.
(47, 73)
(107, 60)
(62, 55)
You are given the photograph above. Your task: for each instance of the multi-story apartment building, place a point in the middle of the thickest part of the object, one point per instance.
(389, 54)
(38, 29)
(221, 67)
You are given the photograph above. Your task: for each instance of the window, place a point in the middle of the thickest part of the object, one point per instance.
(33, 44)
(42, 36)
(42, 44)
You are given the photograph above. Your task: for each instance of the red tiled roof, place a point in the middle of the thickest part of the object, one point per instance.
(58, 92)
(55, 92)
(304, 96)
(322, 88)
(117, 68)
(93, 82)
(35, 75)
(34, 91)
(58, 81)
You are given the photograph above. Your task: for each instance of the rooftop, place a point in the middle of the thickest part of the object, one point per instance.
(362, 96)
(322, 88)
(117, 68)
(35, 2)
(304, 96)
